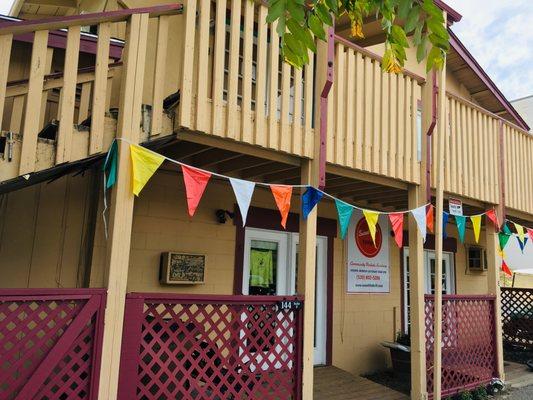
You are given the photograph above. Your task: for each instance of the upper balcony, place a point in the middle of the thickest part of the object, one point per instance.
(214, 67)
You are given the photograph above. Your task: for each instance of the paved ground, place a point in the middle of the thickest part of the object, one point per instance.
(525, 393)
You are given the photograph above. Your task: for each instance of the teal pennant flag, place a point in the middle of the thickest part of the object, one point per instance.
(344, 211)
(460, 221)
(110, 165)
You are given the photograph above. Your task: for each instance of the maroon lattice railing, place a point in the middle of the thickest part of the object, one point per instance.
(468, 342)
(50, 343)
(517, 316)
(210, 347)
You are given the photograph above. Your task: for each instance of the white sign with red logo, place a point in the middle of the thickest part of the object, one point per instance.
(368, 265)
(456, 207)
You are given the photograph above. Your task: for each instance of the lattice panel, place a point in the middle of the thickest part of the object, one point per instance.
(517, 316)
(217, 351)
(30, 329)
(468, 342)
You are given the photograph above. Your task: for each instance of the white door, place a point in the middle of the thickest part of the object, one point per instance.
(270, 268)
(448, 278)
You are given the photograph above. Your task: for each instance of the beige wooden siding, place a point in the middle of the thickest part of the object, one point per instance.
(234, 83)
(372, 123)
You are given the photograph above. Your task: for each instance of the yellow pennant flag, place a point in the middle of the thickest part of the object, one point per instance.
(371, 219)
(144, 164)
(520, 231)
(476, 223)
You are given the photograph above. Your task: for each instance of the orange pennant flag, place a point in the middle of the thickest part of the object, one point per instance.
(430, 219)
(506, 269)
(493, 217)
(396, 221)
(282, 195)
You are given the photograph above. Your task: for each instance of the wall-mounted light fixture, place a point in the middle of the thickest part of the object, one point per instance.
(222, 215)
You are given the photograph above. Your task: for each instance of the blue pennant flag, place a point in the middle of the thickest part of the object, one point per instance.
(522, 245)
(445, 217)
(310, 199)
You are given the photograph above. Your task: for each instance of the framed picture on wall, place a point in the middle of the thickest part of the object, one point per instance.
(182, 268)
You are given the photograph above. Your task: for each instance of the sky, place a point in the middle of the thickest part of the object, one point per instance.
(499, 35)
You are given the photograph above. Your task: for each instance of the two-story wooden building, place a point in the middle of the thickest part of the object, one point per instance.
(108, 294)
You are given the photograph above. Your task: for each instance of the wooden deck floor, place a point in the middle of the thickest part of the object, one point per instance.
(332, 383)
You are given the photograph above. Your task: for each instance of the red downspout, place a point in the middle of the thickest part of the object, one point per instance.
(434, 114)
(324, 110)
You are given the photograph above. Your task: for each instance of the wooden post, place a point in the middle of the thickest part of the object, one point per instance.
(416, 293)
(440, 134)
(121, 215)
(307, 251)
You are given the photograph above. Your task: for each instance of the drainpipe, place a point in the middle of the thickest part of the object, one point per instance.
(324, 109)
(434, 114)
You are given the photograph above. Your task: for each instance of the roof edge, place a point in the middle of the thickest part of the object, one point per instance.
(451, 13)
(472, 63)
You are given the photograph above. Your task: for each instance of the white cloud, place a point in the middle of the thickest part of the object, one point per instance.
(499, 36)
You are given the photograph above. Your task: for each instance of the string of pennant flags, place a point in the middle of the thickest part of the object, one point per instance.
(145, 163)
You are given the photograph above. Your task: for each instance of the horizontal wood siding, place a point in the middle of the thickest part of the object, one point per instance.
(373, 123)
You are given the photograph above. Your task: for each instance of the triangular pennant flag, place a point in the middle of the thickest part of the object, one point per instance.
(506, 229)
(396, 221)
(460, 221)
(503, 239)
(491, 214)
(476, 224)
(110, 165)
(430, 223)
(144, 165)
(420, 217)
(520, 231)
(243, 191)
(445, 217)
(282, 195)
(521, 244)
(344, 211)
(310, 199)
(371, 220)
(506, 269)
(195, 183)
(530, 233)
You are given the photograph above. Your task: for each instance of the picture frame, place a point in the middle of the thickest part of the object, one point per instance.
(182, 268)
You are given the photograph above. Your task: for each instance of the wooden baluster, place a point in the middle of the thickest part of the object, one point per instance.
(359, 110)
(44, 97)
(233, 69)
(415, 168)
(297, 113)
(337, 150)
(5, 50)
(261, 77)
(376, 118)
(187, 64)
(367, 103)
(33, 103)
(308, 142)
(247, 59)
(15, 122)
(158, 93)
(272, 134)
(400, 144)
(96, 139)
(85, 99)
(68, 96)
(393, 121)
(350, 108)
(385, 120)
(203, 66)
(407, 129)
(285, 133)
(218, 68)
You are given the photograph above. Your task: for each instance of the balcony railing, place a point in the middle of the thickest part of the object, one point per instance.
(374, 119)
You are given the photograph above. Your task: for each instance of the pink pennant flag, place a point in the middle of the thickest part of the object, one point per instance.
(530, 233)
(396, 221)
(195, 184)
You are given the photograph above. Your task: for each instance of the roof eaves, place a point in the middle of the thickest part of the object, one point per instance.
(463, 52)
(452, 14)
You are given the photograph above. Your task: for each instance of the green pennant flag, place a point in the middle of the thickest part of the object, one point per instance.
(110, 165)
(506, 229)
(344, 210)
(461, 226)
(503, 239)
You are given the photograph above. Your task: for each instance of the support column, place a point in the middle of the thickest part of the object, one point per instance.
(416, 296)
(493, 277)
(311, 173)
(121, 209)
(440, 136)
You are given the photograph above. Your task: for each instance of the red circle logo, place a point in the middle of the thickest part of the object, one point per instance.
(363, 239)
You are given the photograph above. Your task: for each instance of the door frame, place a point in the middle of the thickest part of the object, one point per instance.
(263, 218)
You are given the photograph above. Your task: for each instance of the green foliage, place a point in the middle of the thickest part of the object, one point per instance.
(480, 393)
(465, 396)
(300, 22)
